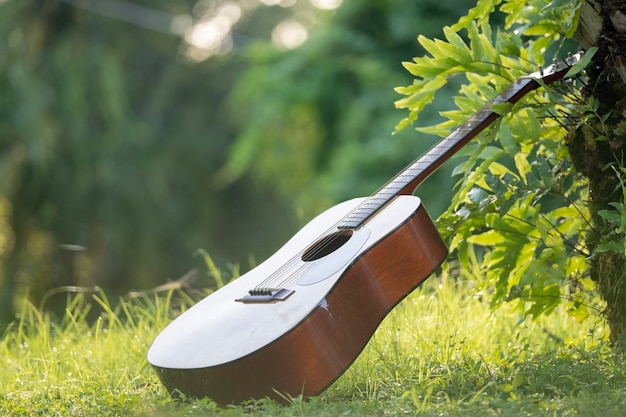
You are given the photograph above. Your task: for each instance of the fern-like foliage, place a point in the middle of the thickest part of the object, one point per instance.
(518, 215)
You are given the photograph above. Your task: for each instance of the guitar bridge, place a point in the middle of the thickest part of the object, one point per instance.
(266, 295)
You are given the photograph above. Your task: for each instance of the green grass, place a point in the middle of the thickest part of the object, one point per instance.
(443, 351)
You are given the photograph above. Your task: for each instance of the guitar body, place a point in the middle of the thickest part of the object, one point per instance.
(231, 350)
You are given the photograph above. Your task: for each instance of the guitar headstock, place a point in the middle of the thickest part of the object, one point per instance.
(559, 68)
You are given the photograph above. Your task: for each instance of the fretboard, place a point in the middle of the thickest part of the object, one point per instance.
(407, 180)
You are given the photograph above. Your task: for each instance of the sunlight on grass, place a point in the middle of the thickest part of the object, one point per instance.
(442, 351)
(73, 367)
(444, 347)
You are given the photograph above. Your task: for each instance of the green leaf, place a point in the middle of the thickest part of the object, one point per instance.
(499, 169)
(583, 63)
(522, 165)
(480, 12)
(423, 96)
(578, 309)
(489, 238)
(491, 152)
(513, 10)
(610, 215)
(502, 109)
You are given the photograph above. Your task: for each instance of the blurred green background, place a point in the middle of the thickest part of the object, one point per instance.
(135, 132)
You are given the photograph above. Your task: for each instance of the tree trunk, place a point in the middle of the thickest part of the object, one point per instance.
(598, 147)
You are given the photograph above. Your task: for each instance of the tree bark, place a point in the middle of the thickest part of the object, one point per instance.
(597, 148)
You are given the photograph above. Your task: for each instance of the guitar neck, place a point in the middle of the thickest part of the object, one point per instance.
(407, 180)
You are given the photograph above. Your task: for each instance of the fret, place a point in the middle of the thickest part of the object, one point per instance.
(407, 180)
(422, 166)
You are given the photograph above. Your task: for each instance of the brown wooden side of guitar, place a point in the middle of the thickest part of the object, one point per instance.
(316, 352)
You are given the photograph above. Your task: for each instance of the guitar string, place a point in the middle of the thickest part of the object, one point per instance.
(287, 275)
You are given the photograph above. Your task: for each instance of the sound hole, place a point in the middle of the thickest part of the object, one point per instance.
(326, 245)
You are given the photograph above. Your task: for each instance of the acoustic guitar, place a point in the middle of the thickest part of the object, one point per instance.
(292, 325)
